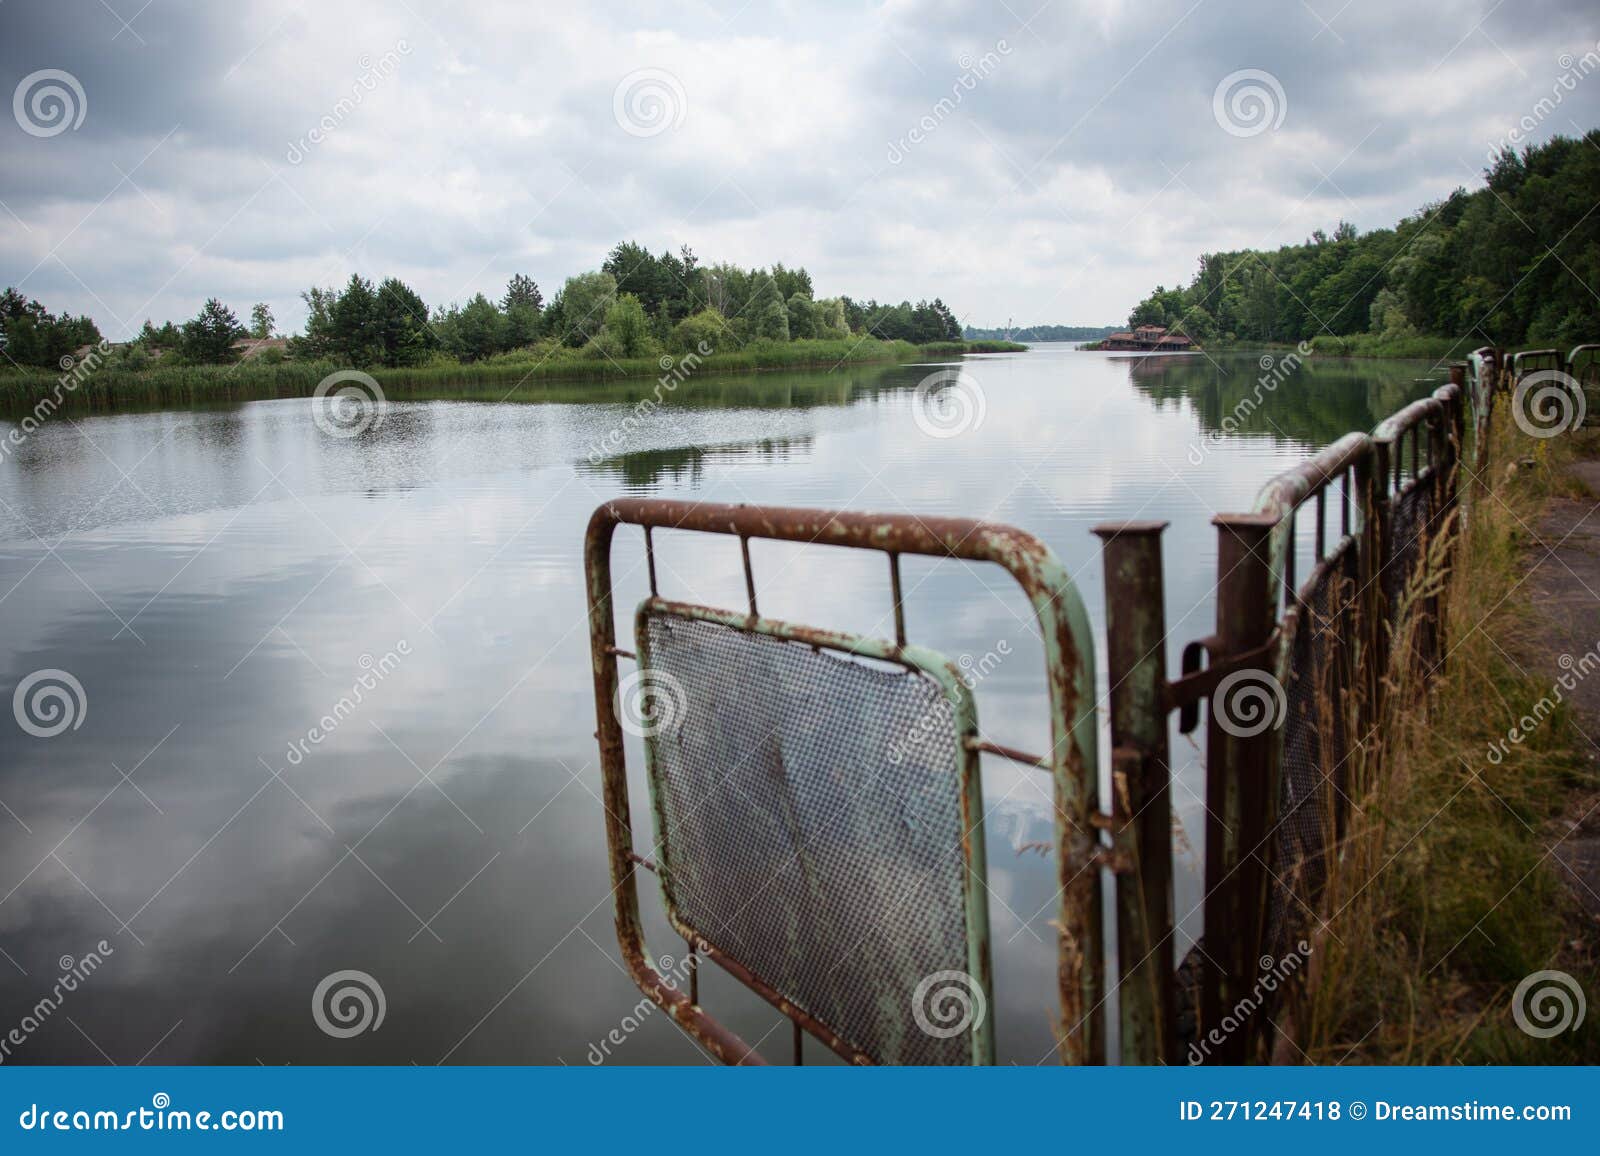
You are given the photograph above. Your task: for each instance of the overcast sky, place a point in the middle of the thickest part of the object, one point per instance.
(1047, 163)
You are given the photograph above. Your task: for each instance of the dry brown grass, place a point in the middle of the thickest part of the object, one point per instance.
(1443, 895)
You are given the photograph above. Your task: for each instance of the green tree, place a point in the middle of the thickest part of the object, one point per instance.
(261, 321)
(208, 338)
(479, 329)
(356, 324)
(707, 328)
(167, 336)
(772, 321)
(401, 324)
(586, 299)
(829, 320)
(522, 292)
(802, 317)
(521, 326)
(31, 335)
(628, 328)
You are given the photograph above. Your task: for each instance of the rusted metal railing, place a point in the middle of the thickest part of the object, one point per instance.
(1368, 518)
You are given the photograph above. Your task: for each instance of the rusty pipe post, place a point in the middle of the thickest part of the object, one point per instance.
(1375, 491)
(1241, 789)
(1136, 655)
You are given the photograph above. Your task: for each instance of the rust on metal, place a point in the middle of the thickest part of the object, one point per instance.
(1070, 681)
(1141, 830)
(1012, 753)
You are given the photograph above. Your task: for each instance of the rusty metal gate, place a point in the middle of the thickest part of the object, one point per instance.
(807, 785)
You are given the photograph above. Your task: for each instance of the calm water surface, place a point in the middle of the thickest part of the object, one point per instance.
(216, 580)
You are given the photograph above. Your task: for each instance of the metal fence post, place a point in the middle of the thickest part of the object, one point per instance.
(1241, 796)
(1136, 655)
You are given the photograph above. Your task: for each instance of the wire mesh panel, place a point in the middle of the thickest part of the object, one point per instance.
(816, 825)
(1410, 619)
(1316, 740)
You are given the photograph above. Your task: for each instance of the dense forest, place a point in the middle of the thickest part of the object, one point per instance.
(1511, 263)
(636, 305)
(1041, 333)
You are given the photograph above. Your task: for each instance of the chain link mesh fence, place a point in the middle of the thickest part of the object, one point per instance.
(811, 827)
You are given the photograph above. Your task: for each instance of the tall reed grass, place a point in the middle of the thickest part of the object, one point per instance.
(1443, 895)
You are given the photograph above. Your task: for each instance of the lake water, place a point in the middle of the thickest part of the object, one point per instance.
(216, 580)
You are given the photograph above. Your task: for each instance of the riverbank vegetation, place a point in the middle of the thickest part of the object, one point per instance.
(1447, 892)
(1507, 264)
(636, 316)
(636, 305)
(516, 373)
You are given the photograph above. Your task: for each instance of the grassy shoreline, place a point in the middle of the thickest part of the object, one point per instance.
(1362, 345)
(110, 387)
(1444, 895)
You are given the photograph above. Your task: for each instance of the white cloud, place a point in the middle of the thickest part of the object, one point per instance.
(1081, 168)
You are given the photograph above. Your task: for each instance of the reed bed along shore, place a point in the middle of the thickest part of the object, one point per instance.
(111, 386)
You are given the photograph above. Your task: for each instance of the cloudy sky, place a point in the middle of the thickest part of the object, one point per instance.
(1044, 162)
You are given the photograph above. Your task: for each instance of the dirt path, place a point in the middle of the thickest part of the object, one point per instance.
(1564, 586)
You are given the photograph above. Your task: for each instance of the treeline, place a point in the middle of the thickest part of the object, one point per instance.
(1510, 264)
(636, 305)
(1041, 333)
(31, 335)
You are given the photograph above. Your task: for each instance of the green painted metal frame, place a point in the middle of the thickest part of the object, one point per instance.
(1072, 759)
(964, 714)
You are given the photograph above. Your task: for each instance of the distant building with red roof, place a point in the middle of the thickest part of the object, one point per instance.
(1148, 338)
